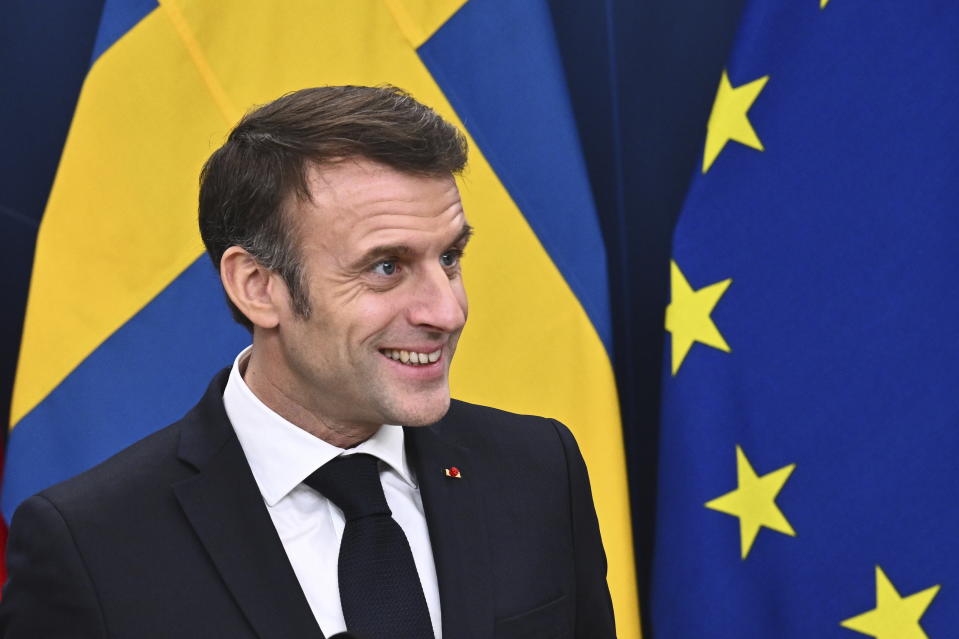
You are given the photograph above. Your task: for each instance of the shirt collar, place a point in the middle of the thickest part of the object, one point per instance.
(281, 454)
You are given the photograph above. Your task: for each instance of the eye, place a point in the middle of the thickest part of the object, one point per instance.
(386, 267)
(451, 258)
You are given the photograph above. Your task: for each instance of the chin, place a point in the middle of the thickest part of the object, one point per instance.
(422, 413)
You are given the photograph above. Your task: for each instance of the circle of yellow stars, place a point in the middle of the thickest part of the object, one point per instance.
(688, 319)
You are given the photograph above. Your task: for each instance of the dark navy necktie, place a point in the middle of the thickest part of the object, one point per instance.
(380, 590)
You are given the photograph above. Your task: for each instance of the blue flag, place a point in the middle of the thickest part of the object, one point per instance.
(810, 425)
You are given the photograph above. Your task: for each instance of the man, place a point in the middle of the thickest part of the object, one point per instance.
(326, 482)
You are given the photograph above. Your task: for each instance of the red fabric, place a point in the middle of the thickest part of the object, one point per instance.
(3, 535)
(3, 552)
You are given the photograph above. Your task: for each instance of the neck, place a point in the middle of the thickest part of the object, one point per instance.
(275, 389)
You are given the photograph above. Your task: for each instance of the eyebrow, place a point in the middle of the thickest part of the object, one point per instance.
(465, 234)
(401, 250)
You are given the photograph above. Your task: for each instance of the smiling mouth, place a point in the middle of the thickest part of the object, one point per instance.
(412, 358)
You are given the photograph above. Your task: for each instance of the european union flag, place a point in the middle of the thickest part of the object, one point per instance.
(810, 428)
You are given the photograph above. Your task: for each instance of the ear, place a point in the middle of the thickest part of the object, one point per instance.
(256, 290)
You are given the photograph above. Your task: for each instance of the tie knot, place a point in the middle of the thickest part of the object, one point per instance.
(352, 482)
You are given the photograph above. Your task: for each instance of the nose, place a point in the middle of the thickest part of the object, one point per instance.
(438, 302)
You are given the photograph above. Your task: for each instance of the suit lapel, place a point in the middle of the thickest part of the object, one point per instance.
(456, 522)
(226, 510)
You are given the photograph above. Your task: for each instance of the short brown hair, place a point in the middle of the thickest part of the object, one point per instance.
(246, 185)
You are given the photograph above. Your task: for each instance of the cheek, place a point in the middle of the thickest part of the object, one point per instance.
(372, 315)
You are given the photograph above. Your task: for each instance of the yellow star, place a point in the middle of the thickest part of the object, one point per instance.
(687, 316)
(754, 501)
(823, 3)
(728, 120)
(894, 617)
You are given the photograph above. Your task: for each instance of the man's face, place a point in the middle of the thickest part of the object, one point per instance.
(381, 254)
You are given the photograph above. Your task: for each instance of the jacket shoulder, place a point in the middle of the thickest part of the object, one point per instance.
(135, 470)
(148, 467)
(510, 440)
(476, 422)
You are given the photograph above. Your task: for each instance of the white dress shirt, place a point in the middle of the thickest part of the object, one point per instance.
(281, 456)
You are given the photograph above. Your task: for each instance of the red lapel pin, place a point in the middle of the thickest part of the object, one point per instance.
(453, 472)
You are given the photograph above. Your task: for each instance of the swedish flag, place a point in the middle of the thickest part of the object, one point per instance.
(810, 436)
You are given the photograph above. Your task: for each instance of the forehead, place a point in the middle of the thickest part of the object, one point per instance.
(357, 202)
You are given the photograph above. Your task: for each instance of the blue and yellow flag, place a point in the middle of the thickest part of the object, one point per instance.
(810, 426)
(126, 321)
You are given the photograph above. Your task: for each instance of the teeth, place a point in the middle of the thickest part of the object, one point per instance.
(411, 357)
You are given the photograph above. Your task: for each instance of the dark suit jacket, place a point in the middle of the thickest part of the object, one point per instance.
(170, 538)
